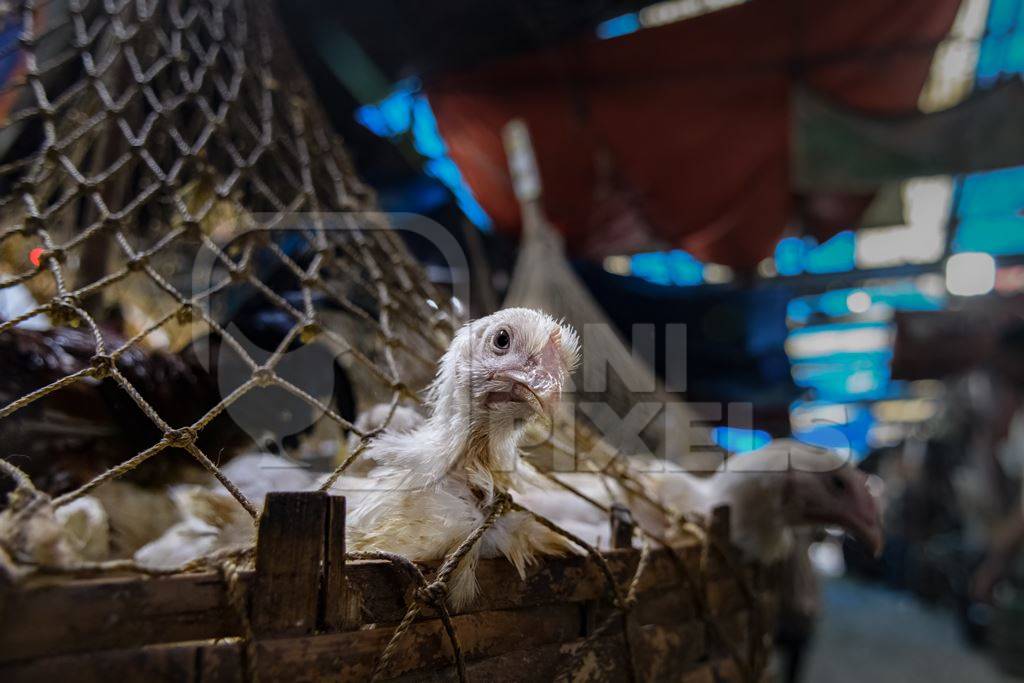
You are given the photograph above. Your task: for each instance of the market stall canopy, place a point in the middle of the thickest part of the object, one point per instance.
(679, 136)
(839, 148)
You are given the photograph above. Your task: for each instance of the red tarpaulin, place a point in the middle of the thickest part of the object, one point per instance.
(680, 134)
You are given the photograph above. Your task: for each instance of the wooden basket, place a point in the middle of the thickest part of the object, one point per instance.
(307, 614)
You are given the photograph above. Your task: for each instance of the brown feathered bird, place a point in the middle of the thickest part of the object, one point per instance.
(70, 435)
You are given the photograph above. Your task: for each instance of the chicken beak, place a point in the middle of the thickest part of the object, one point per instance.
(540, 382)
(869, 533)
(862, 519)
(535, 388)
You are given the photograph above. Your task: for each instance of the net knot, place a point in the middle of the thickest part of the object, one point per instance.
(434, 593)
(502, 502)
(263, 376)
(31, 226)
(192, 229)
(137, 263)
(309, 332)
(240, 273)
(183, 437)
(186, 313)
(45, 255)
(102, 365)
(64, 311)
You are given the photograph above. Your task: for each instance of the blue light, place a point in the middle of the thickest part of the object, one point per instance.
(737, 440)
(619, 26)
(834, 256)
(674, 267)
(989, 212)
(396, 109)
(1002, 49)
(862, 379)
(796, 255)
(445, 170)
(370, 116)
(789, 256)
(997, 236)
(900, 296)
(801, 309)
(425, 135)
(407, 111)
(851, 434)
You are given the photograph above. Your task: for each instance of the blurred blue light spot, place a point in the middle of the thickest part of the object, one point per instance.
(369, 116)
(852, 436)
(800, 310)
(675, 267)
(407, 110)
(425, 135)
(396, 109)
(904, 295)
(989, 212)
(789, 256)
(445, 170)
(652, 267)
(834, 256)
(619, 26)
(998, 236)
(737, 440)
(992, 193)
(1002, 48)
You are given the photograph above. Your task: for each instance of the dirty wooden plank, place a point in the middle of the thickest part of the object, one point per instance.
(662, 654)
(383, 594)
(603, 659)
(718, 671)
(352, 655)
(289, 550)
(340, 605)
(128, 611)
(81, 615)
(213, 662)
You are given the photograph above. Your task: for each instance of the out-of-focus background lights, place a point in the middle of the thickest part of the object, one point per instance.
(970, 274)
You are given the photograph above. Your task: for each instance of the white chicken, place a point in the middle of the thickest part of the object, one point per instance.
(772, 491)
(438, 480)
(402, 419)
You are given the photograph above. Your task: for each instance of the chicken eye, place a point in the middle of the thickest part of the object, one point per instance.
(838, 483)
(502, 340)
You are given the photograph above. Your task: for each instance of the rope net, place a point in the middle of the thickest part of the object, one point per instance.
(139, 138)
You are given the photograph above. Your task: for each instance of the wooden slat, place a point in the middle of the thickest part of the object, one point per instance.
(622, 525)
(60, 616)
(208, 662)
(663, 654)
(573, 578)
(718, 671)
(340, 606)
(603, 656)
(352, 655)
(118, 612)
(289, 550)
(50, 615)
